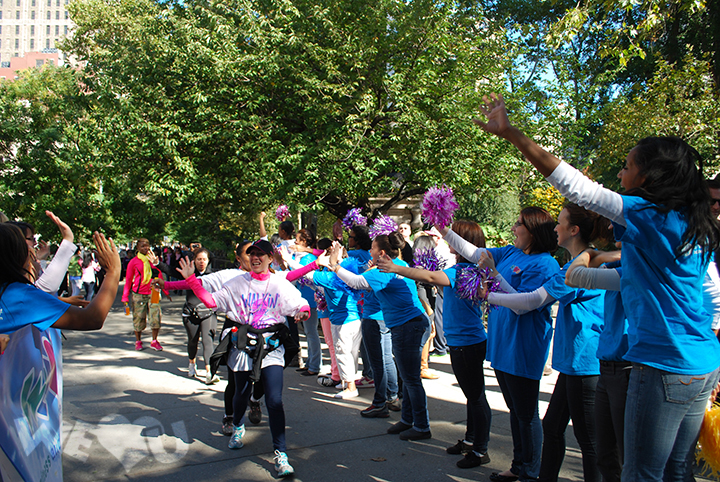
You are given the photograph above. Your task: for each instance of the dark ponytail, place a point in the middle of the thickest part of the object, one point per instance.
(391, 243)
(674, 182)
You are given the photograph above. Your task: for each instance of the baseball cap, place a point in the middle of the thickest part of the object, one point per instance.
(263, 246)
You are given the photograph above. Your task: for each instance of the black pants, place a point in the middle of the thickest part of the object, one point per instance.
(207, 328)
(610, 398)
(573, 397)
(467, 364)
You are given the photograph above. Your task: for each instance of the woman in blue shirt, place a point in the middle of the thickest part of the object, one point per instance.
(409, 330)
(577, 330)
(467, 342)
(668, 234)
(518, 344)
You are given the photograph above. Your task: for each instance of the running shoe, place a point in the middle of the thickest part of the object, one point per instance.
(236, 438)
(192, 370)
(282, 466)
(227, 425)
(155, 345)
(327, 382)
(211, 379)
(374, 411)
(138, 345)
(255, 415)
(345, 394)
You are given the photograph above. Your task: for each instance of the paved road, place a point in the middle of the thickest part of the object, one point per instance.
(137, 416)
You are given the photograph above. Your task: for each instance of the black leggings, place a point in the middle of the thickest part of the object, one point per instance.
(207, 327)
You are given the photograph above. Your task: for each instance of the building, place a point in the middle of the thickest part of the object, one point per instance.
(31, 59)
(32, 26)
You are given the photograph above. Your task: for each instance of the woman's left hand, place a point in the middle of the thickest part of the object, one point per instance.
(301, 316)
(187, 267)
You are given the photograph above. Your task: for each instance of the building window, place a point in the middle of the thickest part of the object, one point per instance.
(32, 15)
(49, 3)
(17, 43)
(67, 15)
(32, 44)
(0, 29)
(57, 30)
(0, 43)
(47, 30)
(17, 29)
(47, 44)
(48, 15)
(32, 30)
(0, 14)
(17, 3)
(66, 30)
(57, 15)
(39, 62)
(17, 15)
(32, 3)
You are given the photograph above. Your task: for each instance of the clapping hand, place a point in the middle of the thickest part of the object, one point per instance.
(496, 114)
(187, 267)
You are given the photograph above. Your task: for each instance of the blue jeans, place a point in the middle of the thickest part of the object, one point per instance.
(521, 397)
(378, 346)
(314, 351)
(408, 340)
(467, 364)
(663, 414)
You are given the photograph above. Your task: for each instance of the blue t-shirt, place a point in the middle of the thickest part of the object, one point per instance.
(308, 293)
(613, 343)
(462, 319)
(397, 295)
(370, 305)
(342, 303)
(577, 327)
(668, 328)
(519, 344)
(24, 304)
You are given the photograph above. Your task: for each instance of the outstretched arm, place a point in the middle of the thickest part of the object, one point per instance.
(438, 278)
(498, 124)
(569, 181)
(93, 316)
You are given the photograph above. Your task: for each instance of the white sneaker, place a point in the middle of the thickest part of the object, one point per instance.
(282, 466)
(210, 379)
(192, 370)
(347, 394)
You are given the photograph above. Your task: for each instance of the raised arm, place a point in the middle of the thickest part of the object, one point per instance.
(53, 276)
(93, 316)
(571, 183)
(187, 270)
(464, 248)
(438, 278)
(263, 233)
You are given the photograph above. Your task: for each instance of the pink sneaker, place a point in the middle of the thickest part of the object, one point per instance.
(155, 345)
(138, 345)
(365, 382)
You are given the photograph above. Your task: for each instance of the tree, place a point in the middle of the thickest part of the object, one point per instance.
(225, 107)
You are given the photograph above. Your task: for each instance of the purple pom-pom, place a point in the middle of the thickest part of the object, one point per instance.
(320, 300)
(438, 206)
(382, 225)
(469, 281)
(303, 281)
(426, 258)
(354, 218)
(282, 212)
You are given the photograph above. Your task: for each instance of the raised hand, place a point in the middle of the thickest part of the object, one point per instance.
(496, 114)
(65, 230)
(324, 260)
(107, 253)
(42, 251)
(187, 267)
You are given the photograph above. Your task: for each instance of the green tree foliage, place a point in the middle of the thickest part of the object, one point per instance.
(229, 106)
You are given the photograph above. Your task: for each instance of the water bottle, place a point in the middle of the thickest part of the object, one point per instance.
(127, 309)
(233, 335)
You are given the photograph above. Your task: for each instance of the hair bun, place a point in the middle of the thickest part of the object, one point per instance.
(397, 240)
